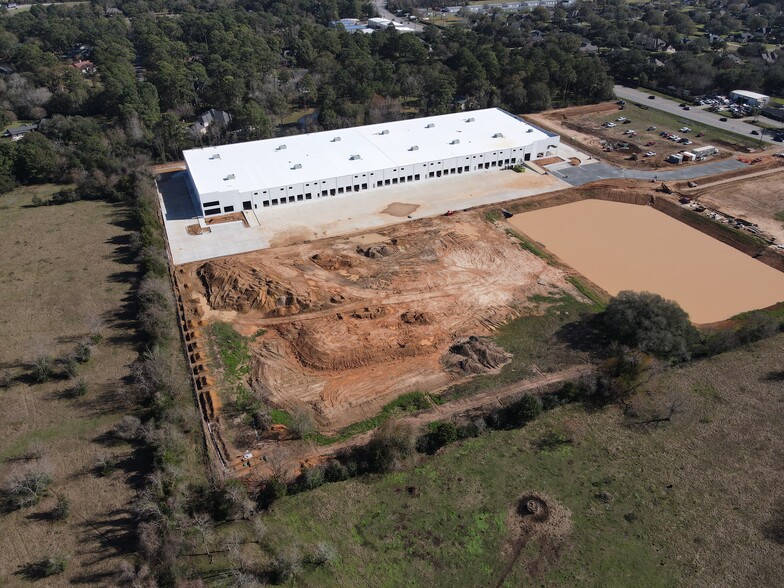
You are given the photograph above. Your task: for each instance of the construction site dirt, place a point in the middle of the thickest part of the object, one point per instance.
(343, 326)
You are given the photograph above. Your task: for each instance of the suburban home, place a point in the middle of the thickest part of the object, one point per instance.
(86, 67)
(206, 119)
(16, 133)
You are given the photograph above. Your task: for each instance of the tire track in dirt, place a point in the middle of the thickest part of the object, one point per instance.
(493, 397)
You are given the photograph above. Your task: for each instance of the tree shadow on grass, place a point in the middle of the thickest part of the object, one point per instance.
(583, 335)
(774, 376)
(115, 535)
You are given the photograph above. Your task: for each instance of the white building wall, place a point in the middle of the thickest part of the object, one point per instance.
(231, 200)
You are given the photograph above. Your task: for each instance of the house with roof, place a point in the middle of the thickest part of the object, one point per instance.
(16, 133)
(205, 119)
(86, 67)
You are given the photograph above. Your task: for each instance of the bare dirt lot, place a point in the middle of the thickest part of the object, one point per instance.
(758, 200)
(344, 326)
(65, 272)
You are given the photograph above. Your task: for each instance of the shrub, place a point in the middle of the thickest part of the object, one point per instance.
(301, 423)
(757, 326)
(311, 478)
(323, 553)
(78, 390)
(129, 428)
(287, 564)
(525, 410)
(43, 368)
(390, 444)
(83, 351)
(650, 323)
(262, 420)
(440, 434)
(6, 379)
(65, 196)
(105, 465)
(62, 508)
(335, 472)
(45, 568)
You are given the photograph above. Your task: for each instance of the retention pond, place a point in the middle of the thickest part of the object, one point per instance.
(630, 247)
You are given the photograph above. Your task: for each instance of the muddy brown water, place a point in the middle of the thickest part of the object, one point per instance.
(629, 247)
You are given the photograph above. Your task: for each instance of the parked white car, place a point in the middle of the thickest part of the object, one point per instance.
(610, 125)
(650, 154)
(685, 130)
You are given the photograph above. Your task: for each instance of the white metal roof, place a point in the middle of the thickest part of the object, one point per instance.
(747, 94)
(269, 163)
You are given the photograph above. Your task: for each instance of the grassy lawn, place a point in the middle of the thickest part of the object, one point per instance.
(686, 503)
(65, 270)
(643, 118)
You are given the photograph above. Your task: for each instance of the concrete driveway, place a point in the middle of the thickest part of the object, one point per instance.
(696, 113)
(592, 172)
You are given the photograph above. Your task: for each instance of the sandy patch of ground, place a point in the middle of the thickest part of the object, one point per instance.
(400, 209)
(352, 324)
(756, 200)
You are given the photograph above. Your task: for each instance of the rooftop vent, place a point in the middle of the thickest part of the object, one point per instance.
(384, 132)
(414, 148)
(529, 131)
(297, 166)
(280, 147)
(216, 156)
(354, 157)
(335, 140)
(498, 136)
(472, 119)
(454, 142)
(430, 125)
(229, 177)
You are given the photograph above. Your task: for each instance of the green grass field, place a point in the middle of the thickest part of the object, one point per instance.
(684, 503)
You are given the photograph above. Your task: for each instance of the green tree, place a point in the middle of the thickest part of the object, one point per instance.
(36, 160)
(650, 323)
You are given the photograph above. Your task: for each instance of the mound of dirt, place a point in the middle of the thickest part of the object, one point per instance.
(242, 288)
(376, 251)
(331, 262)
(475, 355)
(411, 317)
(535, 516)
(369, 313)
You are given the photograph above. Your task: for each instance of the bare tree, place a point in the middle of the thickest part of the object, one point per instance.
(25, 486)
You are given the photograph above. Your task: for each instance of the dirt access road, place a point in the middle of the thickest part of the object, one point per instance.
(290, 462)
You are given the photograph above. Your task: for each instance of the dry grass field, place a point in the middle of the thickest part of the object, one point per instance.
(66, 272)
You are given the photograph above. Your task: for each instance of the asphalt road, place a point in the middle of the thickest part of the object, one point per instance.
(592, 172)
(381, 8)
(696, 113)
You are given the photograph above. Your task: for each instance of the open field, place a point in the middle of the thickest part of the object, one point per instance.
(344, 326)
(758, 200)
(584, 126)
(691, 502)
(627, 247)
(66, 272)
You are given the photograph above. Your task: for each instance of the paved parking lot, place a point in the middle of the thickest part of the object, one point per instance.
(592, 172)
(696, 113)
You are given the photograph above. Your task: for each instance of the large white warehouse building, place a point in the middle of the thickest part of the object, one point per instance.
(290, 170)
